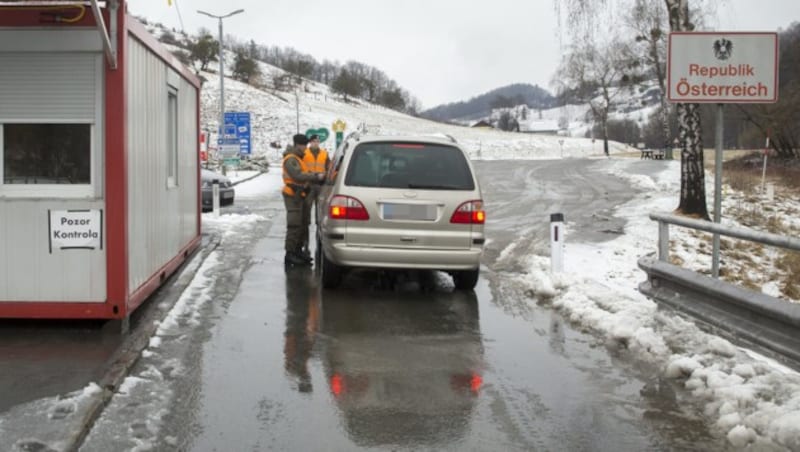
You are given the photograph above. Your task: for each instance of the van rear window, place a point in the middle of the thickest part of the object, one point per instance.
(409, 165)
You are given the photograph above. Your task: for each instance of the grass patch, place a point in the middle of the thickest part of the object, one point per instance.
(741, 180)
(747, 264)
(744, 171)
(790, 263)
(741, 256)
(777, 226)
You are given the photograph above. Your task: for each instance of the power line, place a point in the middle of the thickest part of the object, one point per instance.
(180, 19)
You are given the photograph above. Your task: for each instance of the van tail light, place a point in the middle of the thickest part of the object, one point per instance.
(337, 385)
(470, 212)
(469, 382)
(347, 208)
(350, 385)
(475, 383)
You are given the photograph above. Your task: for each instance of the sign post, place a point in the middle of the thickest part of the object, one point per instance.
(338, 127)
(764, 171)
(235, 139)
(722, 68)
(239, 124)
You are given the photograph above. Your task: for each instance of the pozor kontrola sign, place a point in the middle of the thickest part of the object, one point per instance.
(723, 67)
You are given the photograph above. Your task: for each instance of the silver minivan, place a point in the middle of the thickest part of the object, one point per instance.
(400, 202)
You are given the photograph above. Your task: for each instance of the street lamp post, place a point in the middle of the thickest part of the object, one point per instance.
(297, 108)
(221, 70)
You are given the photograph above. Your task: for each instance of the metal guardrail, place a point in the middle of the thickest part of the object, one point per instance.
(760, 320)
(765, 238)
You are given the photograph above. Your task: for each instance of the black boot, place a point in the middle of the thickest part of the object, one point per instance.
(293, 259)
(305, 254)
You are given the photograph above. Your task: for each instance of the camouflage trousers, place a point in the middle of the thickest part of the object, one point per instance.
(297, 221)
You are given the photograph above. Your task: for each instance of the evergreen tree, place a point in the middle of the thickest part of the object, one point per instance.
(346, 84)
(204, 50)
(393, 99)
(245, 69)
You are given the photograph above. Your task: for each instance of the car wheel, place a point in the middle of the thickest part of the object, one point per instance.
(466, 279)
(331, 273)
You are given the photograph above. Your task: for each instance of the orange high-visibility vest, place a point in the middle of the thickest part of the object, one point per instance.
(317, 164)
(291, 186)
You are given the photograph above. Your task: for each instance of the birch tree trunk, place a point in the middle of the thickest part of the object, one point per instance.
(666, 130)
(693, 187)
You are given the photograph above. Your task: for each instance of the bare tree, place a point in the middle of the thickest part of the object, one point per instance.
(647, 20)
(596, 74)
(581, 15)
(690, 131)
(779, 120)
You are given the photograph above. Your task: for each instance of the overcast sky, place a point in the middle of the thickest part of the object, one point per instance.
(439, 50)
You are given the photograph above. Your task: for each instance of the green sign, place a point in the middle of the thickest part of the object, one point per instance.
(231, 162)
(339, 138)
(322, 132)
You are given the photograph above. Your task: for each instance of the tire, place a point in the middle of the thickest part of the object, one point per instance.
(466, 279)
(331, 273)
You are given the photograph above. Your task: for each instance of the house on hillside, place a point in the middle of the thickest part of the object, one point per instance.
(483, 124)
(545, 127)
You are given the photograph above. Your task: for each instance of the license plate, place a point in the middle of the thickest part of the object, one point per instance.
(418, 212)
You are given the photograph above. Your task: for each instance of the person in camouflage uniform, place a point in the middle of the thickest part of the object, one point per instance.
(297, 180)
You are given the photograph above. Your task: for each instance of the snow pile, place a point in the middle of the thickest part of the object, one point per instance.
(754, 400)
(47, 423)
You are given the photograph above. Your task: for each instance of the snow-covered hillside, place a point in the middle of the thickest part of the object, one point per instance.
(636, 104)
(274, 119)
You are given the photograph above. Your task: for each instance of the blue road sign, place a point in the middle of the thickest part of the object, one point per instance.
(238, 124)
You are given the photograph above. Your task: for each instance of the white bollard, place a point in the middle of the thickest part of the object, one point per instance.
(557, 234)
(770, 191)
(215, 197)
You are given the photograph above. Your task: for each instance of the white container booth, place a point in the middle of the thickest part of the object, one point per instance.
(99, 196)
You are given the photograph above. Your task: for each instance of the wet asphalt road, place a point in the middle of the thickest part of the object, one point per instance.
(404, 362)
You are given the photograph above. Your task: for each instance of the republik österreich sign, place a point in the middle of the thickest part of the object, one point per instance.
(685, 88)
(723, 67)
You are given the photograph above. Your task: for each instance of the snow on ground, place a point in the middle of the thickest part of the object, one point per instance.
(239, 176)
(274, 119)
(753, 399)
(45, 424)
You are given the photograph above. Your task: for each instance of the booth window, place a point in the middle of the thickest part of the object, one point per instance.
(38, 154)
(172, 138)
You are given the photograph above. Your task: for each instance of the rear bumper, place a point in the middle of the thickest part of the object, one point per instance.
(359, 256)
(226, 196)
